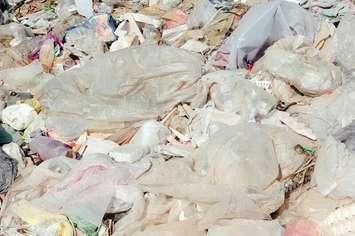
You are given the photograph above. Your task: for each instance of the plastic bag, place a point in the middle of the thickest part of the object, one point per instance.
(343, 44)
(14, 151)
(135, 87)
(48, 148)
(128, 153)
(18, 116)
(262, 25)
(231, 92)
(228, 157)
(346, 135)
(203, 12)
(298, 64)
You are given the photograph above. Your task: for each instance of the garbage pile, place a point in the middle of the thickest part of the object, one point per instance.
(177, 117)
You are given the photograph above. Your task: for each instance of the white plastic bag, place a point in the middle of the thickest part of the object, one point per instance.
(140, 83)
(18, 116)
(150, 134)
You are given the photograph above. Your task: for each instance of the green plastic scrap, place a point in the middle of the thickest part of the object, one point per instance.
(48, 8)
(311, 151)
(84, 226)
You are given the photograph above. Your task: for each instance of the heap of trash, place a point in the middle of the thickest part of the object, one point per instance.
(177, 117)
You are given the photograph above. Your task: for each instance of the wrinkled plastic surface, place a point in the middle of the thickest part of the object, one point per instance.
(18, 116)
(14, 151)
(334, 170)
(262, 25)
(346, 135)
(129, 153)
(242, 227)
(92, 180)
(231, 92)
(228, 156)
(343, 43)
(47, 147)
(135, 87)
(202, 13)
(297, 63)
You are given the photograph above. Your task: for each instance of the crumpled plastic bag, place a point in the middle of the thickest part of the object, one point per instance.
(238, 153)
(334, 170)
(91, 180)
(139, 84)
(18, 116)
(297, 63)
(231, 92)
(151, 133)
(262, 25)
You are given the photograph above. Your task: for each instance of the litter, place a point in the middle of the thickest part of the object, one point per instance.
(177, 117)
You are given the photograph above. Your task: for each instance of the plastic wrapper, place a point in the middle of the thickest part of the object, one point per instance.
(298, 64)
(231, 92)
(262, 25)
(135, 87)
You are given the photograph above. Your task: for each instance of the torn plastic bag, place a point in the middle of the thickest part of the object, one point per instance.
(228, 156)
(243, 227)
(135, 87)
(231, 92)
(262, 25)
(334, 170)
(296, 62)
(8, 171)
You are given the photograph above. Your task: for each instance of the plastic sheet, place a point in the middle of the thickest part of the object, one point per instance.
(48, 148)
(262, 25)
(135, 87)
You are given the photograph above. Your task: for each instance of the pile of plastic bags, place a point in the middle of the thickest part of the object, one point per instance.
(171, 117)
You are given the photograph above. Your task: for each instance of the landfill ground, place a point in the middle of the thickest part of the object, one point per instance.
(177, 118)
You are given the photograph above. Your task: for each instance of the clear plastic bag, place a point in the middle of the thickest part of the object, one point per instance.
(139, 84)
(262, 25)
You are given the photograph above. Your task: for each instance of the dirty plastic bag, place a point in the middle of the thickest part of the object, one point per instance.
(297, 63)
(262, 25)
(135, 87)
(18, 116)
(151, 133)
(334, 170)
(238, 153)
(203, 12)
(231, 92)
(14, 151)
